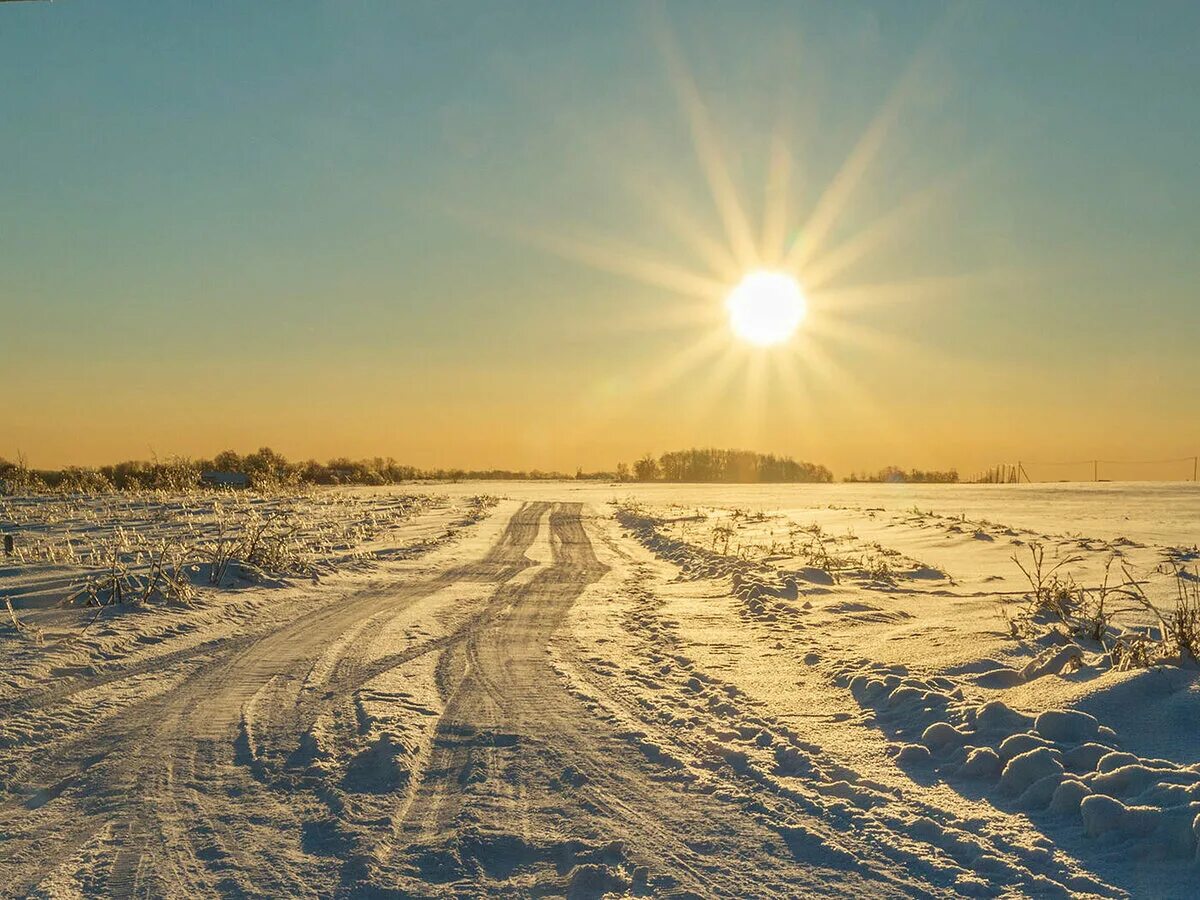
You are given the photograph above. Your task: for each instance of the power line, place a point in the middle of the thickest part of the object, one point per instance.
(1014, 473)
(1115, 462)
(1020, 470)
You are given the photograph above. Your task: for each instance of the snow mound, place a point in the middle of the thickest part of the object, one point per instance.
(1061, 762)
(1067, 726)
(1024, 770)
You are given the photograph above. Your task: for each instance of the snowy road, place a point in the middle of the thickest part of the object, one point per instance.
(520, 714)
(211, 787)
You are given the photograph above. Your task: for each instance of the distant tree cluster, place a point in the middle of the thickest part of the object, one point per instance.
(711, 465)
(263, 469)
(896, 475)
(267, 469)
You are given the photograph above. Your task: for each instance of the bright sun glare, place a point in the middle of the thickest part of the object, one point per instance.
(769, 273)
(766, 308)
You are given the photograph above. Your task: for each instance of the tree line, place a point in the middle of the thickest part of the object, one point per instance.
(710, 465)
(265, 468)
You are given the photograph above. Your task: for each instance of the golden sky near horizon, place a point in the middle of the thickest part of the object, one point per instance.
(511, 242)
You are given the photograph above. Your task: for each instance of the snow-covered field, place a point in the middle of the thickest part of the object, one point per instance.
(589, 689)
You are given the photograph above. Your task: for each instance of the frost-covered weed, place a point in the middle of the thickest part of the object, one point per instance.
(1091, 613)
(155, 546)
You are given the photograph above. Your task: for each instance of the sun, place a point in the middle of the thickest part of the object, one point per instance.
(766, 307)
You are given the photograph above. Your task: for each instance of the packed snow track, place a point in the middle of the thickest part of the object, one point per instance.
(258, 770)
(540, 705)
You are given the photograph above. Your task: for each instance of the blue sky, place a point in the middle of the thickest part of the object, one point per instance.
(307, 225)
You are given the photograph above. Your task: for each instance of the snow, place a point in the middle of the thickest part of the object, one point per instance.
(1066, 725)
(595, 689)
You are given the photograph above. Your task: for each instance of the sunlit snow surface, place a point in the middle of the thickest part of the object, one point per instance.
(594, 687)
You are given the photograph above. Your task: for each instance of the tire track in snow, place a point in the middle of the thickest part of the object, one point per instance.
(518, 755)
(525, 786)
(148, 761)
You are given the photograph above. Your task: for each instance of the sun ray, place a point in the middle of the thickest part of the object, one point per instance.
(612, 256)
(792, 383)
(608, 405)
(839, 301)
(786, 375)
(623, 260)
(754, 399)
(640, 186)
(679, 364)
(858, 335)
(683, 315)
(717, 256)
(805, 371)
(708, 149)
(798, 408)
(775, 211)
(843, 390)
(778, 185)
(838, 192)
(820, 271)
(708, 384)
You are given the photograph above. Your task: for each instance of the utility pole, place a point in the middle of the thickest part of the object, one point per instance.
(1095, 470)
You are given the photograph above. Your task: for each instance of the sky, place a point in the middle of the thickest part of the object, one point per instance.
(482, 234)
